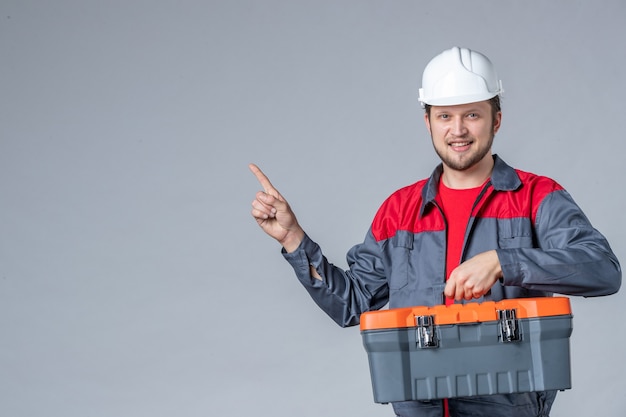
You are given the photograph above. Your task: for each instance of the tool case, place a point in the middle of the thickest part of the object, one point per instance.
(504, 347)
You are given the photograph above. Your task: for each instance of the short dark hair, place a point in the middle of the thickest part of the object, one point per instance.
(494, 101)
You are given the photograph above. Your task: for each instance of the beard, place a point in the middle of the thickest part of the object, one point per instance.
(468, 160)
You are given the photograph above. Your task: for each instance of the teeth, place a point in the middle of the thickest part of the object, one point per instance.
(459, 144)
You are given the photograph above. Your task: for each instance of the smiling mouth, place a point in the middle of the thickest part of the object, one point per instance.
(460, 145)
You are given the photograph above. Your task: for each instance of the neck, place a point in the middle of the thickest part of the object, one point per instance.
(472, 177)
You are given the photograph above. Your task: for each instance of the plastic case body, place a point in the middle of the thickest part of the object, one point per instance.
(511, 346)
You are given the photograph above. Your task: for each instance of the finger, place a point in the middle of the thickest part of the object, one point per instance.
(478, 290)
(454, 290)
(261, 208)
(272, 203)
(262, 178)
(462, 290)
(466, 290)
(260, 215)
(449, 290)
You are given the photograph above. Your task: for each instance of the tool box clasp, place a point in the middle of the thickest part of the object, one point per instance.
(509, 326)
(426, 332)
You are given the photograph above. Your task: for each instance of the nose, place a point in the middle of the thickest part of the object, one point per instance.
(457, 127)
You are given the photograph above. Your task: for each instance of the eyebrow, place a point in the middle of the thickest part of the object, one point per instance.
(471, 110)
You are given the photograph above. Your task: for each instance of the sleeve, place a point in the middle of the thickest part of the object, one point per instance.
(572, 257)
(343, 294)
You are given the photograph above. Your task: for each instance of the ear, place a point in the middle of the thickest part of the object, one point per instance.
(497, 122)
(427, 121)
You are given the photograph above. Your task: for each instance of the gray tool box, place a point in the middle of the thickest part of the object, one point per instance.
(510, 346)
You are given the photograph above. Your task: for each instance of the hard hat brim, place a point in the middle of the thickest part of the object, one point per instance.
(453, 101)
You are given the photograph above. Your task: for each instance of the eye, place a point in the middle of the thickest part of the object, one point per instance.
(444, 116)
(472, 115)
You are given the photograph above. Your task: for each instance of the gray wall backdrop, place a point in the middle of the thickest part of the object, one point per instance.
(133, 281)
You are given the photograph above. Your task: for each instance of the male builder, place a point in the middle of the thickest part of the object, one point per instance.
(476, 230)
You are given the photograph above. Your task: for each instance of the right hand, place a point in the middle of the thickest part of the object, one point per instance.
(272, 212)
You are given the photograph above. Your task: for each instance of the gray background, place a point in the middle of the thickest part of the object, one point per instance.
(133, 281)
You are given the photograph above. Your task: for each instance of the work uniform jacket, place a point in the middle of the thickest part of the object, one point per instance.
(545, 245)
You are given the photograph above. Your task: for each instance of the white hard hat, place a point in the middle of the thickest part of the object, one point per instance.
(459, 76)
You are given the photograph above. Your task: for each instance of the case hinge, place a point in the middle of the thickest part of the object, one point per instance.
(426, 332)
(508, 324)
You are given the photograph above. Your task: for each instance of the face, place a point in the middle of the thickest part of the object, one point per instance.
(463, 134)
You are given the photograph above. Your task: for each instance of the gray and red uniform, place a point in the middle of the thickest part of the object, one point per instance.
(544, 242)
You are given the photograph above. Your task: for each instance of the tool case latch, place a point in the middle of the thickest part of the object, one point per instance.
(508, 324)
(426, 332)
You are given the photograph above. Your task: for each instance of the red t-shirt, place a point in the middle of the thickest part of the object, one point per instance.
(457, 208)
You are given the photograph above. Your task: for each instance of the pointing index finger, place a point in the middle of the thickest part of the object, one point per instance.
(262, 178)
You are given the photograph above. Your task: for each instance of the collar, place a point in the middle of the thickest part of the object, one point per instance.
(503, 178)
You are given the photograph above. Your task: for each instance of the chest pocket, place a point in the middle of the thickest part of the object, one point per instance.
(515, 233)
(399, 258)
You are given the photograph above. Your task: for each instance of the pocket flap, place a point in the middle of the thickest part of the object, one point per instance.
(403, 239)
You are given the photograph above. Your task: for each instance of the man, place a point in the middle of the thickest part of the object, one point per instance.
(476, 230)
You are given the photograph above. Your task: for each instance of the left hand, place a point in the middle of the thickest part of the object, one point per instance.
(474, 277)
